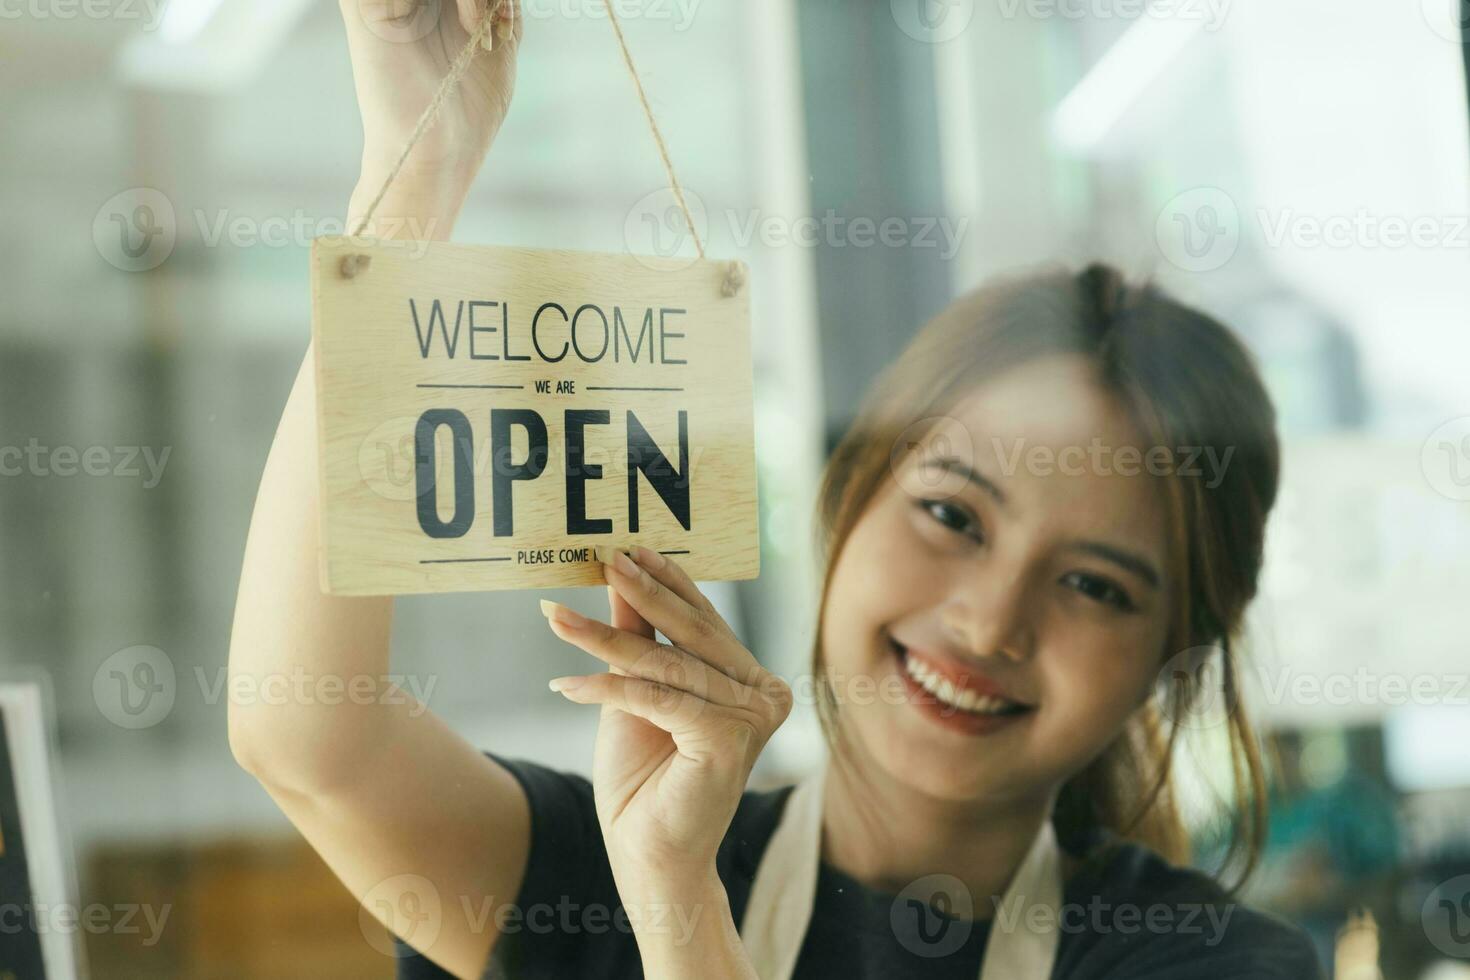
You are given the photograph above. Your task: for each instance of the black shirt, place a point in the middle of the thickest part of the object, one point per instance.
(1128, 915)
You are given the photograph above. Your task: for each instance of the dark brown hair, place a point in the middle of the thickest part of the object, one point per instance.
(1186, 381)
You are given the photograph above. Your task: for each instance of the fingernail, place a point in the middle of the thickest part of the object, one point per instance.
(617, 559)
(558, 613)
(649, 558)
(559, 684)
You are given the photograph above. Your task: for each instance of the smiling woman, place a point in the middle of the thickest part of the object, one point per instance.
(1002, 808)
(1077, 589)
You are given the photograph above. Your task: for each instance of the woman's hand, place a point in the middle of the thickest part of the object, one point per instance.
(681, 724)
(401, 51)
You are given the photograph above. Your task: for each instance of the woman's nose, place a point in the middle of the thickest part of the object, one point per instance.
(992, 622)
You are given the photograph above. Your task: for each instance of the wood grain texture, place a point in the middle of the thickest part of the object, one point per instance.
(373, 386)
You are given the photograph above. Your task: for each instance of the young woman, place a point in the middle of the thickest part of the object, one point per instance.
(1060, 489)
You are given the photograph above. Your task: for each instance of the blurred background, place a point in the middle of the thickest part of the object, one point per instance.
(1300, 168)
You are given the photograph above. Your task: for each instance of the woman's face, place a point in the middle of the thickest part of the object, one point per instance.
(1008, 567)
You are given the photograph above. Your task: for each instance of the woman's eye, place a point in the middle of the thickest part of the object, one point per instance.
(950, 516)
(1099, 589)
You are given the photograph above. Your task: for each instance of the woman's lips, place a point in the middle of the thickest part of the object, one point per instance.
(990, 709)
(961, 675)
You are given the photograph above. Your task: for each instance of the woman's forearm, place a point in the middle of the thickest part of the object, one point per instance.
(685, 929)
(296, 652)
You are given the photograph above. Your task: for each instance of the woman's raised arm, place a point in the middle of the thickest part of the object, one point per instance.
(393, 799)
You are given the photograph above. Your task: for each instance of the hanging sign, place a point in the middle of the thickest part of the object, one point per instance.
(488, 416)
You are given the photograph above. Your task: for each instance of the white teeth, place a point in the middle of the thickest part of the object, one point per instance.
(943, 689)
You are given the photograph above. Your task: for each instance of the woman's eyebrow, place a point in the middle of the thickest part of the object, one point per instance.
(960, 468)
(1127, 560)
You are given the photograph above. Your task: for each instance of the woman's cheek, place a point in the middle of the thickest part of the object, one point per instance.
(1086, 703)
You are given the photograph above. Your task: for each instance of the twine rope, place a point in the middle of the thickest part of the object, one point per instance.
(456, 72)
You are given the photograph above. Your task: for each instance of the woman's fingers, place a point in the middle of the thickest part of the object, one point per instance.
(655, 594)
(698, 727)
(667, 571)
(639, 656)
(625, 617)
(469, 13)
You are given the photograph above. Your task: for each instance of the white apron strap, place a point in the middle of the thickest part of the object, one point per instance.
(785, 888)
(1014, 950)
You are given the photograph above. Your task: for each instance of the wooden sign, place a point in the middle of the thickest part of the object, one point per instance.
(488, 416)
